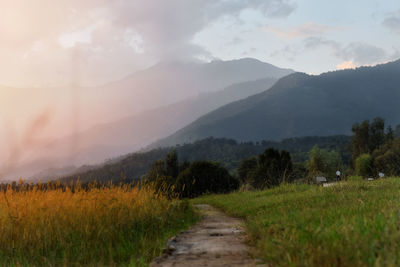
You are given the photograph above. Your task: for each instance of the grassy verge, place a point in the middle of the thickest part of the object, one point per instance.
(107, 226)
(353, 224)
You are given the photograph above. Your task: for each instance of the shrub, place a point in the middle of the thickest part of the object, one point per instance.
(365, 165)
(387, 159)
(269, 169)
(323, 162)
(205, 177)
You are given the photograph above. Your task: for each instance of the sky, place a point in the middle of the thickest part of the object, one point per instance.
(54, 43)
(50, 49)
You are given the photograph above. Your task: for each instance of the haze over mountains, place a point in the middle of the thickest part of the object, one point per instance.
(162, 98)
(296, 105)
(172, 81)
(304, 105)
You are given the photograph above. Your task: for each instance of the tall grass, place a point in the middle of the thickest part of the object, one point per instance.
(114, 225)
(352, 224)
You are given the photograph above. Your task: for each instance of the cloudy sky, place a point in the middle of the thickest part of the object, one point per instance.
(46, 42)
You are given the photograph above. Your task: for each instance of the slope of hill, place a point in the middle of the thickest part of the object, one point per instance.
(132, 133)
(196, 86)
(173, 81)
(303, 105)
(228, 152)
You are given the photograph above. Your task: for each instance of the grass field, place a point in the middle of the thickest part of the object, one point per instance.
(353, 224)
(119, 225)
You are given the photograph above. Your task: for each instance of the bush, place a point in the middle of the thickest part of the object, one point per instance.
(245, 169)
(387, 159)
(323, 162)
(205, 177)
(365, 165)
(269, 169)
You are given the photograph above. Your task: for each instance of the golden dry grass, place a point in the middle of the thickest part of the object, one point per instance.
(113, 225)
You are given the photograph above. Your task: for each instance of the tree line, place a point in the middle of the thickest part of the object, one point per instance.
(373, 148)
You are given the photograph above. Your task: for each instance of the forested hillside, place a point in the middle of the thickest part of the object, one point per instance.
(228, 152)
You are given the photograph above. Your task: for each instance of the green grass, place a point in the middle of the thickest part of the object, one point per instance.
(353, 224)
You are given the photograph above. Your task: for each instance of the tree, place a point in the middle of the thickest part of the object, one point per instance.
(365, 165)
(360, 139)
(205, 177)
(376, 134)
(163, 173)
(389, 134)
(245, 169)
(323, 162)
(397, 131)
(316, 164)
(172, 164)
(272, 168)
(368, 137)
(156, 171)
(387, 159)
(286, 165)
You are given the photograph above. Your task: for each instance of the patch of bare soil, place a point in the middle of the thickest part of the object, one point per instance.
(217, 240)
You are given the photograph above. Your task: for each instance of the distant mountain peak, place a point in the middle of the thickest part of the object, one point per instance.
(303, 105)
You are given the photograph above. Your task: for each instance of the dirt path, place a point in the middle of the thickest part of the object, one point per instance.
(217, 240)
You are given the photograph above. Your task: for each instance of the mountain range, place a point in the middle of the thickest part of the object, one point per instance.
(129, 134)
(303, 105)
(135, 111)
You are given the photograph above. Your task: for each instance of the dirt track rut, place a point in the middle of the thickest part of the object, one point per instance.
(217, 240)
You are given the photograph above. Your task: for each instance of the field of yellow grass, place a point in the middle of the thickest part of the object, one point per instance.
(47, 225)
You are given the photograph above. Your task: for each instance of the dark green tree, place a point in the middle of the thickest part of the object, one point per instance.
(368, 137)
(272, 169)
(172, 164)
(389, 134)
(183, 166)
(205, 177)
(246, 168)
(387, 159)
(376, 134)
(323, 162)
(360, 139)
(365, 165)
(397, 131)
(156, 171)
(286, 166)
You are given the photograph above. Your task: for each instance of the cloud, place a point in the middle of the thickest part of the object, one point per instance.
(304, 30)
(314, 42)
(346, 65)
(362, 53)
(392, 22)
(307, 44)
(113, 37)
(352, 55)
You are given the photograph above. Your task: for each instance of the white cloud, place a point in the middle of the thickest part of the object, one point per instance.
(352, 55)
(362, 53)
(114, 38)
(392, 22)
(304, 30)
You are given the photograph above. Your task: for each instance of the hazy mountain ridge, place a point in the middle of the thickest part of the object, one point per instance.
(114, 139)
(304, 105)
(107, 140)
(170, 82)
